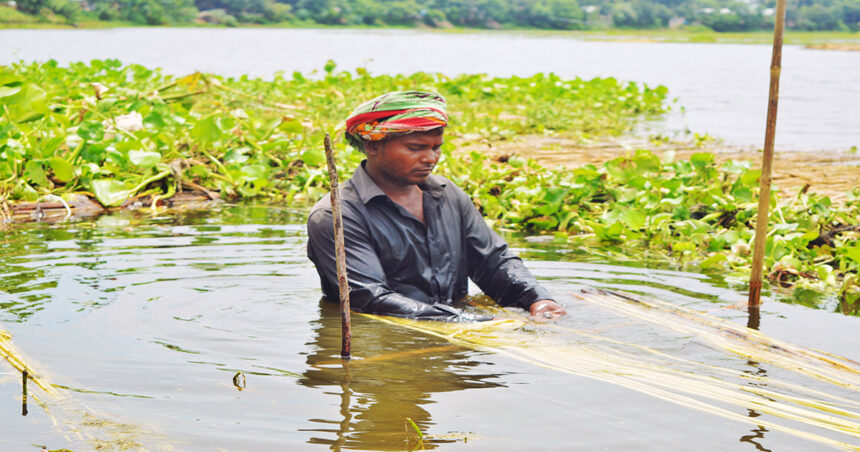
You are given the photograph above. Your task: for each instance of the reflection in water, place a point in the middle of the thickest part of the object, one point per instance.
(754, 320)
(756, 371)
(23, 393)
(757, 433)
(387, 381)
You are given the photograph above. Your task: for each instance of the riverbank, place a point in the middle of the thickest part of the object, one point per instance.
(824, 40)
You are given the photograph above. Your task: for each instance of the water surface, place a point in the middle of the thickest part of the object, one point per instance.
(143, 322)
(721, 88)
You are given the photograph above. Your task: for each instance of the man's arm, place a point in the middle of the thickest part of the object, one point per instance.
(498, 272)
(369, 292)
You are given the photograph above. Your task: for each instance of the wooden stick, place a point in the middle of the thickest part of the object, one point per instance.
(340, 252)
(767, 159)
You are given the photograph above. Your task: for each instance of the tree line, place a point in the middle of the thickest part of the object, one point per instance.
(718, 15)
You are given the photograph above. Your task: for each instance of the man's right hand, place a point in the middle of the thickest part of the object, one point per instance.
(546, 310)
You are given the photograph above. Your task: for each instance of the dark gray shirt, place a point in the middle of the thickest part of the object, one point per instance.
(398, 266)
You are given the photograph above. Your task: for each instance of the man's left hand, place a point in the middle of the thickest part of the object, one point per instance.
(546, 310)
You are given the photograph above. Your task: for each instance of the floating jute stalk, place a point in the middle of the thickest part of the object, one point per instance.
(767, 159)
(340, 252)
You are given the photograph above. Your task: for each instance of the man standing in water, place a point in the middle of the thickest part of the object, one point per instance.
(412, 237)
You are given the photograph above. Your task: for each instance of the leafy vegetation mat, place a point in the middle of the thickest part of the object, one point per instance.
(132, 136)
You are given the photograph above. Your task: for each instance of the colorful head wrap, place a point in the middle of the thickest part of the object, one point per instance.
(396, 113)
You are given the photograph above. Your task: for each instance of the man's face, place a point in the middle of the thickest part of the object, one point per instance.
(407, 159)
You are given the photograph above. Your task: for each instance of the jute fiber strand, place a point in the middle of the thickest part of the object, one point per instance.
(820, 403)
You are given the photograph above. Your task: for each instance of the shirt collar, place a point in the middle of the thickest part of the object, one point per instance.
(367, 188)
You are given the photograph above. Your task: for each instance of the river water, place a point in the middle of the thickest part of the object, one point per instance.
(721, 88)
(143, 322)
(149, 325)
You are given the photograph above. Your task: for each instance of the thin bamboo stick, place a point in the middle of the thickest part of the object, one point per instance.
(767, 158)
(340, 253)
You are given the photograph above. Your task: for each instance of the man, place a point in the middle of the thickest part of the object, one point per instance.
(412, 237)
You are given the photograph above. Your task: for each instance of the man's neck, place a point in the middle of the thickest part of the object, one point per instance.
(408, 196)
(394, 190)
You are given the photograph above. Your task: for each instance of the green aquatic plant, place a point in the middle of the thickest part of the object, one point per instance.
(692, 211)
(125, 132)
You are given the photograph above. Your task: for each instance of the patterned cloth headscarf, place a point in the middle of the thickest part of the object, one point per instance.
(396, 113)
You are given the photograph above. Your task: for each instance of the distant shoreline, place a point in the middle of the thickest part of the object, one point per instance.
(824, 40)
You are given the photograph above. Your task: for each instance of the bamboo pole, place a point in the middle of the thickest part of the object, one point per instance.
(767, 159)
(340, 253)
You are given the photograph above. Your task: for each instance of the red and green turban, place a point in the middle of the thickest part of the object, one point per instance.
(396, 113)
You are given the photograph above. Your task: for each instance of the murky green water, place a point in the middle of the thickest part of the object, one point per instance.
(143, 322)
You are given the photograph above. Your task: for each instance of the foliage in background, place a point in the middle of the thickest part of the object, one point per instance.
(721, 16)
(689, 211)
(125, 132)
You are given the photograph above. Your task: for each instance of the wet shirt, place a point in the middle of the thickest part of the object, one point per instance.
(398, 266)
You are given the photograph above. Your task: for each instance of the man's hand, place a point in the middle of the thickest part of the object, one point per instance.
(546, 310)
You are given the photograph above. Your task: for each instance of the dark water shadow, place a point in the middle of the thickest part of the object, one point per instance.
(391, 378)
(24, 376)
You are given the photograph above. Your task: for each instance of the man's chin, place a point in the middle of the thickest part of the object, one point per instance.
(421, 178)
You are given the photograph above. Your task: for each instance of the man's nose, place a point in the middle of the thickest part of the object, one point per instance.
(430, 156)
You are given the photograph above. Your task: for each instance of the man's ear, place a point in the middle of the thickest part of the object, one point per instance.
(372, 147)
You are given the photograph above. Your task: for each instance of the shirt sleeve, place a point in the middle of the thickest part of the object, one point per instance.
(368, 290)
(492, 266)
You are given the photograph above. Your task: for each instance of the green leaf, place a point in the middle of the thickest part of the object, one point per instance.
(684, 246)
(91, 131)
(238, 155)
(810, 235)
(714, 262)
(207, 130)
(6, 91)
(291, 126)
(256, 171)
(853, 253)
(634, 219)
(27, 104)
(554, 194)
(750, 178)
(35, 171)
(62, 169)
(144, 159)
(313, 157)
(701, 159)
(647, 161)
(110, 192)
(329, 66)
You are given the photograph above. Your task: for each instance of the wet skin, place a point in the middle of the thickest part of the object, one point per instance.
(397, 165)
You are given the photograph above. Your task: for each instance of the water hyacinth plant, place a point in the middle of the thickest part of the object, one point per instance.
(120, 133)
(689, 211)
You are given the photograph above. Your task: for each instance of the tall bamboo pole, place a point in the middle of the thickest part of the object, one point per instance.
(340, 252)
(767, 159)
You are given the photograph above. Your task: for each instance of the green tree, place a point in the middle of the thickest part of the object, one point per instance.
(558, 14)
(851, 14)
(818, 17)
(68, 9)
